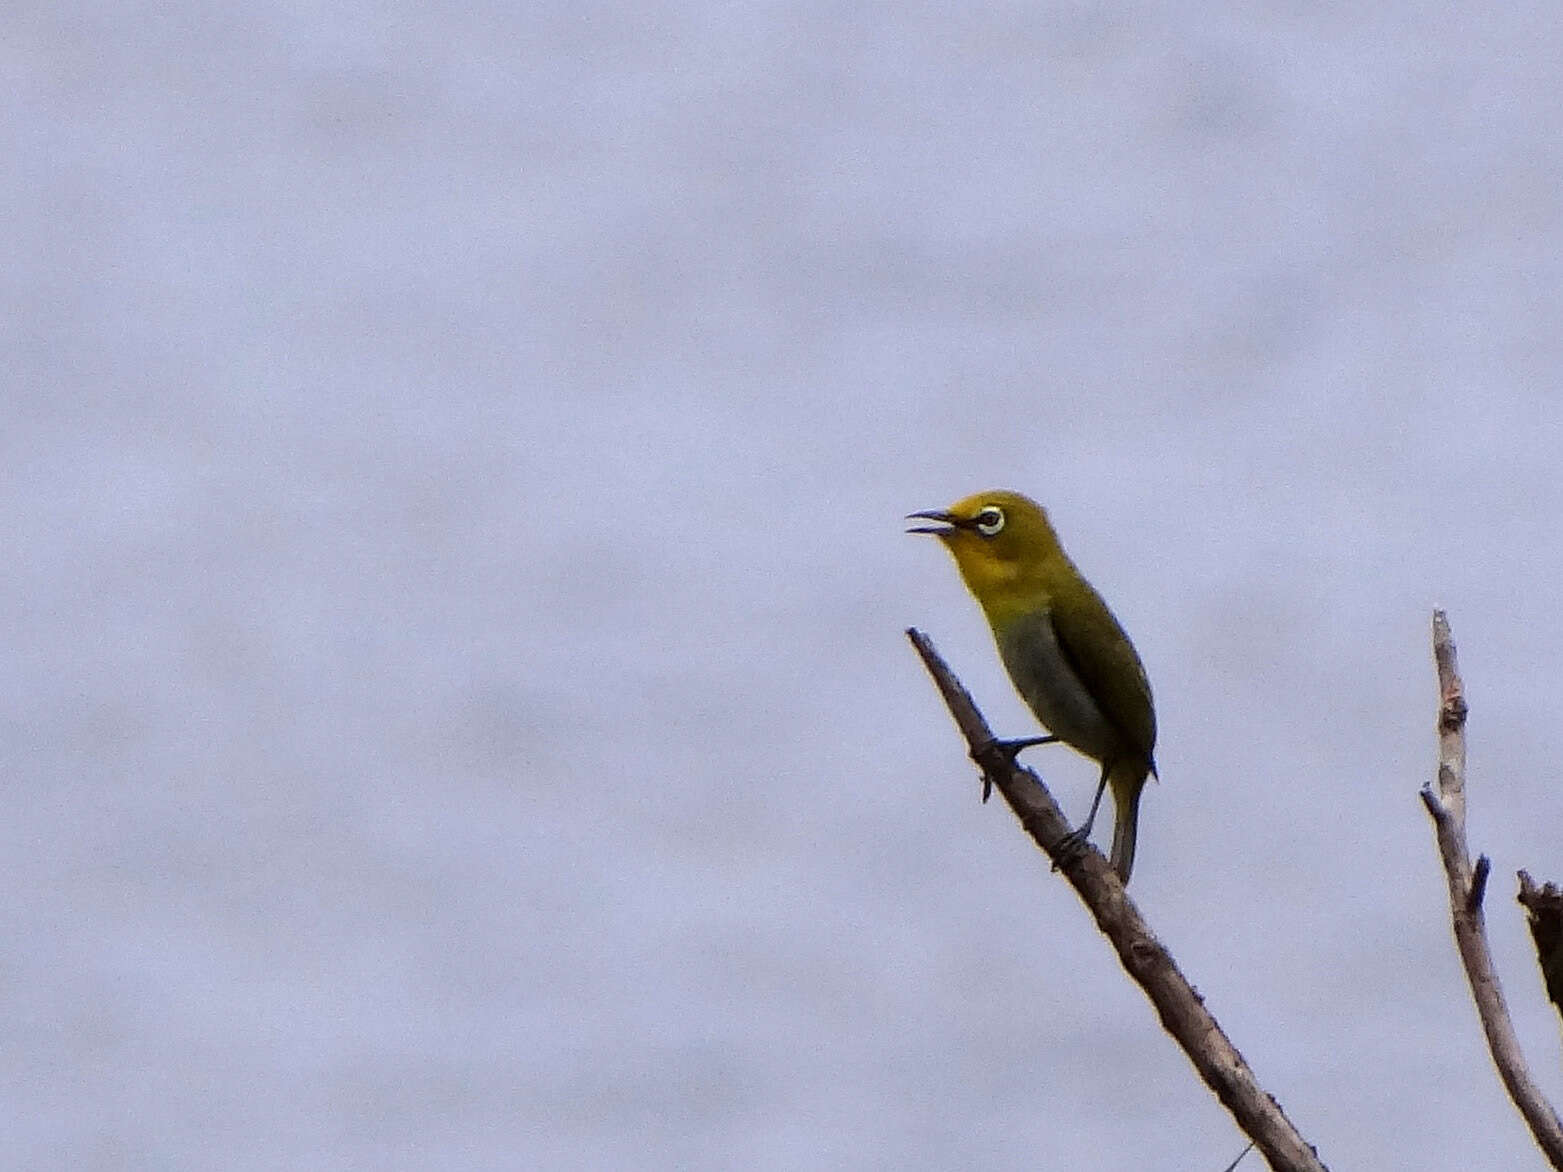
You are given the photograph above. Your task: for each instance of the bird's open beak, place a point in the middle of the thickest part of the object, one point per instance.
(947, 522)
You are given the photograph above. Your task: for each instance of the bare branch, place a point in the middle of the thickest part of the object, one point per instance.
(1544, 906)
(1181, 1009)
(1445, 801)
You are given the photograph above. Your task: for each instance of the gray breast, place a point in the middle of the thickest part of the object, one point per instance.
(1048, 684)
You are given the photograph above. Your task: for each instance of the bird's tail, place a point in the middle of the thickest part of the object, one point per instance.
(1127, 783)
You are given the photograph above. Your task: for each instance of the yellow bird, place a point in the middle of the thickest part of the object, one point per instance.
(1067, 655)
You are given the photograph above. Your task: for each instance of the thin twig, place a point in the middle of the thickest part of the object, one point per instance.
(1445, 801)
(1181, 1009)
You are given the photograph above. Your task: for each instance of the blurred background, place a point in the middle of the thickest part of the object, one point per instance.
(455, 711)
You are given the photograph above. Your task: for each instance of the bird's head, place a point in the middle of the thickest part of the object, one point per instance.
(998, 538)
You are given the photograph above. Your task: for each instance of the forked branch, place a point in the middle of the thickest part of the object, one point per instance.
(1445, 801)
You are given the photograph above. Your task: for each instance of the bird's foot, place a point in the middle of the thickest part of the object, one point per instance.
(1072, 846)
(1008, 750)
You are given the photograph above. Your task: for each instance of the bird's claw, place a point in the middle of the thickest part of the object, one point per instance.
(1009, 750)
(1072, 846)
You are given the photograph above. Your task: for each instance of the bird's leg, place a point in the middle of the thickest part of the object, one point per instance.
(1010, 749)
(1075, 841)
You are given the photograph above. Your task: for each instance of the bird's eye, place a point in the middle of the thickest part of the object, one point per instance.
(990, 520)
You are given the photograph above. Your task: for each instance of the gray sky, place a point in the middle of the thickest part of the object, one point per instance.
(455, 707)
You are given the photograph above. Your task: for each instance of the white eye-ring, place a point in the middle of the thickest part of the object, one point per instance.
(989, 521)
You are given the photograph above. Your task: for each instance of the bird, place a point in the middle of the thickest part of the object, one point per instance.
(1065, 652)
